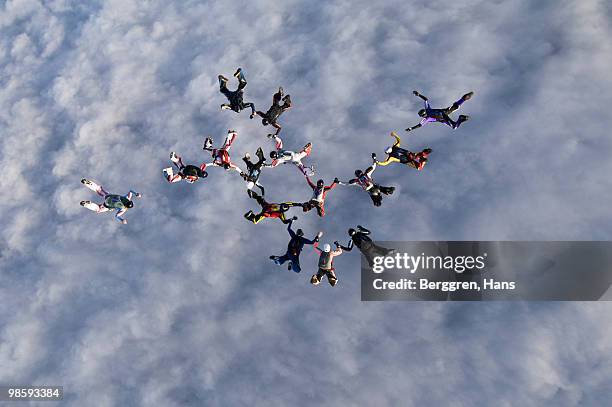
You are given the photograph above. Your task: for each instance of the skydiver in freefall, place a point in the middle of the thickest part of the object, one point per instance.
(221, 157)
(396, 154)
(281, 156)
(364, 180)
(251, 176)
(319, 192)
(235, 97)
(189, 173)
(270, 210)
(121, 203)
(441, 115)
(294, 248)
(326, 264)
(364, 243)
(274, 112)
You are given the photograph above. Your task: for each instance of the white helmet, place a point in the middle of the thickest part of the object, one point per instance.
(326, 248)
(388, 150)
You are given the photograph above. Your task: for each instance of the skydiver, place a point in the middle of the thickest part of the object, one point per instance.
(326, 264)
(294, 248)
(397, 154)
(274, 112)
(364, 243)
(319, 191)
(441, 115)
(270, 210)
(221, 157)
(280, 156)
(111, 201)
(251, 176)
(235, 97)
(189, 173)
(365, 181)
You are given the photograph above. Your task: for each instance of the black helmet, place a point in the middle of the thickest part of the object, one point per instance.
(273, 154)
(129, 204)
(264, 122)
(351, 231)
(299, 232)
(358, 173)
(320, 183)
(422, 113)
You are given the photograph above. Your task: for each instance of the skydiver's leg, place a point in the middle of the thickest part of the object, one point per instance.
(98, 189)
(255, 218)
(286, 102)
(241, 79)
(280, 260)
(277, 127)
(171, 176)
(295, 264)
(231, 136)
(386, 190)
(92, 206)
(375, 196)
(223, 85)
(277, 96)
(316, 278)
(457, 104)
(304, 152)
(177, 160)
(331, 277)
(260, 187)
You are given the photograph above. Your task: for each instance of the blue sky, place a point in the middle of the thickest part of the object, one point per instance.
(183, 307)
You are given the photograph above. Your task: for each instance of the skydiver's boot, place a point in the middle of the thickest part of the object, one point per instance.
(250, 216)
(222, 78)
(386, 190)
(168, 173)
(238, 72)
(467, 96)
(462, 118)
(275, 260)
(175, 158)
(90, 205)
(93, 186)
(208, 143)
(314, 280)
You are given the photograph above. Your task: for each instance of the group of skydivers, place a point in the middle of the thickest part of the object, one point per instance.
(221, 158)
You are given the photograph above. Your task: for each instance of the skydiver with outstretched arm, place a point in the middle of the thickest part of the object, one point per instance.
(235, 97)
(221, 157)
(441, 115)
(121, 203)
(365, 245)
(294, 248)
(271, 116)
(189, 173)
(282, 156)
(326, 264)
(319, 192)
(396, 154)
(270, 210)
(251, 176)
(364, 180)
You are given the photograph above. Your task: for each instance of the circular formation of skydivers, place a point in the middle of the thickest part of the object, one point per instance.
(359, 237)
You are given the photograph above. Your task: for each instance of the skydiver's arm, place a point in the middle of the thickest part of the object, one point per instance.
(120, 213)
(416, 93)
(129, 194)
(417, 125)
(346, 248)
(291, 232)
(310, 241)
(332, 185)
(371, 169)
(313, 186)
(397, 139)
(315, 246)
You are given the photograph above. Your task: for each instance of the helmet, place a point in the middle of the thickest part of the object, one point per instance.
(129, 204)
(388, 150)
(264, 122)
(320, 183)
(273, 154)
(358, 173)
(422, 113)
(299, 232)
(326, 248)
(351, 231)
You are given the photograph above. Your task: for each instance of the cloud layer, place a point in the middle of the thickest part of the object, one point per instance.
(182, 306)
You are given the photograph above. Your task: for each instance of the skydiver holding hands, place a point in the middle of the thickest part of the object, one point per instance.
(319, 192)
(326, 264)
(270, 210)
(281, 156)
(364, 180)
(364, 243)
(235, 97)
(251, 176)
(221, 157)
(441, 115)
(274, 112)
(189, 173)
(397, 154)
(121, 203)
(294, 248)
